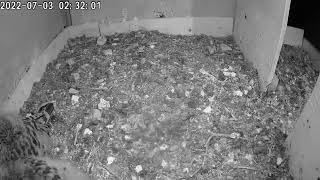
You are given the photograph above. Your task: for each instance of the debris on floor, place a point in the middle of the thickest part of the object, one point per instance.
(147, 105)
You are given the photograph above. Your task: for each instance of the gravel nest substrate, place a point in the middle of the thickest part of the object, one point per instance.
(147, 105)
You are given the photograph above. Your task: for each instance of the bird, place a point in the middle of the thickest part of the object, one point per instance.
(24, 143)
(27, 136)
(42, 168)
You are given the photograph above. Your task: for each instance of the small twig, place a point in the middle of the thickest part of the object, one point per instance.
(78, 127)
(92, 151)
(229, 111)
(107, 169)
(97, 88)
(226, 136)
(99, 28)
(246, 167)
(100, 88)
(205, 155)
(75, 139)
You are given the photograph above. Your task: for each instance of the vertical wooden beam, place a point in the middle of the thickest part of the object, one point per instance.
(259, 30)
(304, 143)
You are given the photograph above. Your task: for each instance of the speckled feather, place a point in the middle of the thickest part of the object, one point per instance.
(43, 168)
(23, 145)
(24, 137)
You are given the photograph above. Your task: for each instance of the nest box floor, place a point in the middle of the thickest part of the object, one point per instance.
(154, 106)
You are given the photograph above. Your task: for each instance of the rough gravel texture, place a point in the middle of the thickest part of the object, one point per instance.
(147, 105)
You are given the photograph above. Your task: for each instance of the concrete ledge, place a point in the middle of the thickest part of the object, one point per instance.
(293, 36)
(214, 26)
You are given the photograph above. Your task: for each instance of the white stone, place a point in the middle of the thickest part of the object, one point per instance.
(202, 93)
(164, 164)
(76, 76)
(110, 126)
(107, 52)
(163, 147)
(138, 168)
(74, 99)
(78, 127)
(87, 131)
(58, 66)
(103, 104)
(238, 93)
(73, 91)
(101, 40)
(127, 137)
(279, 160)
(207, 109)
(110, 160)
(96, 114)
(225, 47)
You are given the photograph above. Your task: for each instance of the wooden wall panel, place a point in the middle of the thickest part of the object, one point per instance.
(259, 30)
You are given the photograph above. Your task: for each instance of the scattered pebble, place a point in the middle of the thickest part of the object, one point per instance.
(207, 110)
(279, 161)
(234, 135)
(73, 91)
(110, 160)
(238, 93)
(164, 164)
(103, 104)
(126, 127)
(211, 99)
(229, 74)
(172, 165)
(202, 93)
(184, 144)
(174, 148)
(101, 40)
(249, 157)
(78, 127)
(57, 149)
(107, 52)
(138, 168)
(134, 177)
(251, 82)
(229, 178)
(58, 66)
(76, 76)
(258, 130)
(221, 76)
(70, 61)
(110, 126)
(127, 137)
(152, 46)
(185, 170)
(101, 80)
(74, 99)
(187, 93)
(96, 114)
(87, 131)
(217, 147)
(225, 47)
(212, 49)
(141, 49)
(163, 147)
(230, 158)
